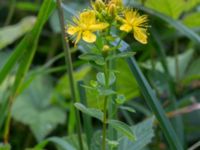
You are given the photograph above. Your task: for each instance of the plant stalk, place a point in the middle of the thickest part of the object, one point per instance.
(106, 72)
(176, 60)
(104, 123)
(69, 68)
(112, 106)
(11, 12)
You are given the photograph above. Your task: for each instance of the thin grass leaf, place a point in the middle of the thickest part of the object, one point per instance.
(26, 60)
(153, 102)
(30, 46)
(160, 49)
(177, 121)
(87, 124)
(29, 41)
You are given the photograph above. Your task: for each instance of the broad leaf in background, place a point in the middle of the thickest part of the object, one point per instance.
(54, 22)
(62, 86)
(159, 82)
(183, 62)
(191, 20)
(33, 108)
(191, 4)
(172, 8)
(144, 133)
(194, 68)
(73, 142)
(126, 85)
(57, 141)
(5, 146)
(193, 72)
(11, 33)
(62, 143)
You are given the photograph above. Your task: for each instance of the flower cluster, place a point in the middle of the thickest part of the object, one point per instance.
(103, 16)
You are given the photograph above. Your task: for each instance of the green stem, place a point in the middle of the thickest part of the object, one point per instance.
(7, 123)
(112, 107)
(104, 123)
(69, 69)
(11, 12)
(176, 60)
(106, 72)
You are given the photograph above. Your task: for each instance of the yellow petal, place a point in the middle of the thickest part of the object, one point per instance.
(72, 30)
(140, 35)
(88, 17)
(89, 37)
(121, 19)
(130, 15)
(140, 21)
(98, 26)
(126, 28)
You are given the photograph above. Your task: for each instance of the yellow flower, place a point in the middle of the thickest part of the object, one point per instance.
(132, 21)
(85, 25)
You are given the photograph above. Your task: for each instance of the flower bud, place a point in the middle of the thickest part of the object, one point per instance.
(118, 3)
(105, 50)
(112, 9)
(99, 5)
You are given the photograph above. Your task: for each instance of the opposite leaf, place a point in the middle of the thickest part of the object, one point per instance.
(96, 113)
(123, 128)
(121, 55)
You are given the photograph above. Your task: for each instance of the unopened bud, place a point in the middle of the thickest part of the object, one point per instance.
(118, 3)
(112, 9)
(105, 50)
(99, 5)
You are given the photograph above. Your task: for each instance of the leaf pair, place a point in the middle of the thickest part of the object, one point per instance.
(118, 125)
(100, 60)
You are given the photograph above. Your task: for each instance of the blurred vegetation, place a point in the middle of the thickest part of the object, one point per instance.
(33, 72)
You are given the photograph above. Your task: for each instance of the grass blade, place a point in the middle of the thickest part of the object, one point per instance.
(29, 43)
(154, 104)
(152, 101)
(69, 68)
(87, 125)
